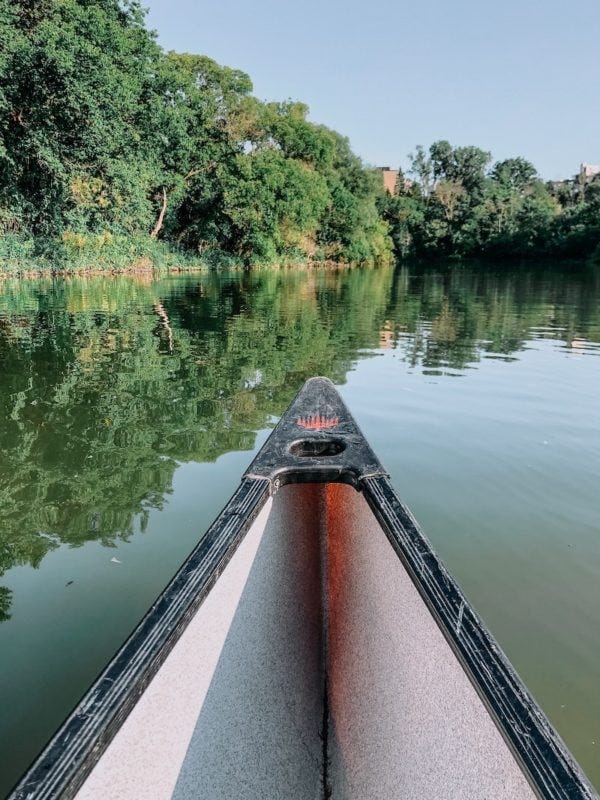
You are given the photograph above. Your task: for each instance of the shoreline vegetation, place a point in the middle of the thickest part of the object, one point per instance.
(116, 156)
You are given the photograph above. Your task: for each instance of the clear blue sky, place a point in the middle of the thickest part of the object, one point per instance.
(517, 77)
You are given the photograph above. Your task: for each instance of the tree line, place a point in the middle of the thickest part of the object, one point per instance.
(453, 203)
(113, 151)
(106, 139)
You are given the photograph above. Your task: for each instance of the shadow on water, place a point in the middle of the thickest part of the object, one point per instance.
(109, 386)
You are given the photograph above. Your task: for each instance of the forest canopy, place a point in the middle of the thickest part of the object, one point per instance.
(104, 135)
(113, 151)
(455, 202)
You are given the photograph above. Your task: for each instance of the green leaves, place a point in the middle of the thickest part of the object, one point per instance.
(73, 85)
(103, 132)
(456, 208)
(274, 204)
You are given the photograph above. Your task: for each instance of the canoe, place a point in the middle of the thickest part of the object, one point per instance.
(313, 645)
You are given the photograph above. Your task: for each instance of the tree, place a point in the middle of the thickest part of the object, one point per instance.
(442, 160)
(422, 168)
(449, 194)
(76, 85)
(273, 204)
(514, 173)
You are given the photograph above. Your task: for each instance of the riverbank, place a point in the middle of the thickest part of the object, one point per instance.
(101, 254)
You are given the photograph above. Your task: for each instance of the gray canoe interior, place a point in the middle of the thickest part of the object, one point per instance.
(313, 604)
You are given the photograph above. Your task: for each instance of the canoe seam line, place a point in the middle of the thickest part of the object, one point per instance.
(326, 789)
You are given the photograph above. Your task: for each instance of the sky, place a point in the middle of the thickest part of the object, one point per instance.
(516, 77)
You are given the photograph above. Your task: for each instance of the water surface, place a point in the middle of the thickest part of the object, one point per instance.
(129, 408)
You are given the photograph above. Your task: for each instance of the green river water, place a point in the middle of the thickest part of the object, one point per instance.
(129, 408)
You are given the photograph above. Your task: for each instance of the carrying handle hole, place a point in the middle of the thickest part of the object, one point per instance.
(316, 448)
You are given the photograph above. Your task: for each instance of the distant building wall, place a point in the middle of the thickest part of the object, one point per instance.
(389, 177)
(589, 170)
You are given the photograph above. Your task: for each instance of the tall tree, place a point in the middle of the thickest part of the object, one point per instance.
(514, 173)
(77, 89)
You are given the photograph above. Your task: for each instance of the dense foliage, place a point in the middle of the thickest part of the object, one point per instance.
(116, 153)
(455, 205)
(106, 140)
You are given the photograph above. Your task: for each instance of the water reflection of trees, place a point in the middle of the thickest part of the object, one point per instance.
(108, 384)
(447, 321)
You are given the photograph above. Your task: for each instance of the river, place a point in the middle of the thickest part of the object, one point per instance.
(129, 407)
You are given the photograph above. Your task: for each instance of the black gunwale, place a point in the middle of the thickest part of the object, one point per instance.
(68, 758)
(62, 767)
(552, 771)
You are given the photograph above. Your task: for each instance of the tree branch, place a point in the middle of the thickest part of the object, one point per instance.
(161, 216)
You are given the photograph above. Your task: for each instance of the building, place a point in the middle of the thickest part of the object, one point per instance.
(390, 180)
(589, 170)
(389, 177)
